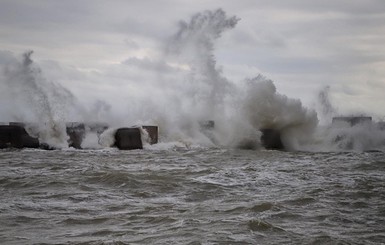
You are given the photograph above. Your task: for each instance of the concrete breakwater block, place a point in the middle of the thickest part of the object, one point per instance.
(271, 139)
(16, 136)
(76, 133)
(128, 139)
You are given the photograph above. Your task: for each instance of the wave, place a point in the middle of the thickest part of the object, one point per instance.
(197, 92)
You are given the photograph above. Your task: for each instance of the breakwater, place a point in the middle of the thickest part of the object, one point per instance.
(25, 135)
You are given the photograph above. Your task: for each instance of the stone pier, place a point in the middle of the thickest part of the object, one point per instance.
(15, 135)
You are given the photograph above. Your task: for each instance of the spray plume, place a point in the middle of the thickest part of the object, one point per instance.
(42, 102)
(240, 110)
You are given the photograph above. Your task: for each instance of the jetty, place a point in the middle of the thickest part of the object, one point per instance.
(17, 135)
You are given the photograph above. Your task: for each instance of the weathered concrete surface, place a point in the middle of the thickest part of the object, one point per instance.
(128, 139)
(271, 139)
(152, 133)
(16, 136)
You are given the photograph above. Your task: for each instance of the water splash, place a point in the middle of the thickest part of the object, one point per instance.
(40, 101)
(326, 109)
(265, 108)
(194, 91)
(240, 110)
(204, 88)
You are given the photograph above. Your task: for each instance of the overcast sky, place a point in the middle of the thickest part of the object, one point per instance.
(302, 45)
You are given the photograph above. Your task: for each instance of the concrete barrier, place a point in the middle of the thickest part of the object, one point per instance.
(76, 133)
(16, 136)
(6, 139)
(128, 139)
(271, 139)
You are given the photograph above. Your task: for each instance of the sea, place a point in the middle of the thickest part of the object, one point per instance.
(191, 195)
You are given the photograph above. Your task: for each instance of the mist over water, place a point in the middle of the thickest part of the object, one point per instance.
(188, 88)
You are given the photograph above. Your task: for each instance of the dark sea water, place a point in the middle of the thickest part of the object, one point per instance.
(191, 196)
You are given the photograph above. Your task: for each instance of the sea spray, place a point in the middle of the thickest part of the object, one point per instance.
(326, 110)
(240, 110)
(40, 100)
(107, 138)
(342, 136)
(203, 89)
(194, 91)
(264, 108)
(91, 140)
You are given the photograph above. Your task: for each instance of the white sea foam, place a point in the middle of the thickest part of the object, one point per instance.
(107, 138)
(91, 141)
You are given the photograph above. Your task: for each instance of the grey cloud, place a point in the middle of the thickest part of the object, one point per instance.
(6, 57)
(344, 6)
(149, 65)
(43, 14)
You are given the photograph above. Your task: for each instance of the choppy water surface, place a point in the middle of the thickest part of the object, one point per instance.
(198, 196)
